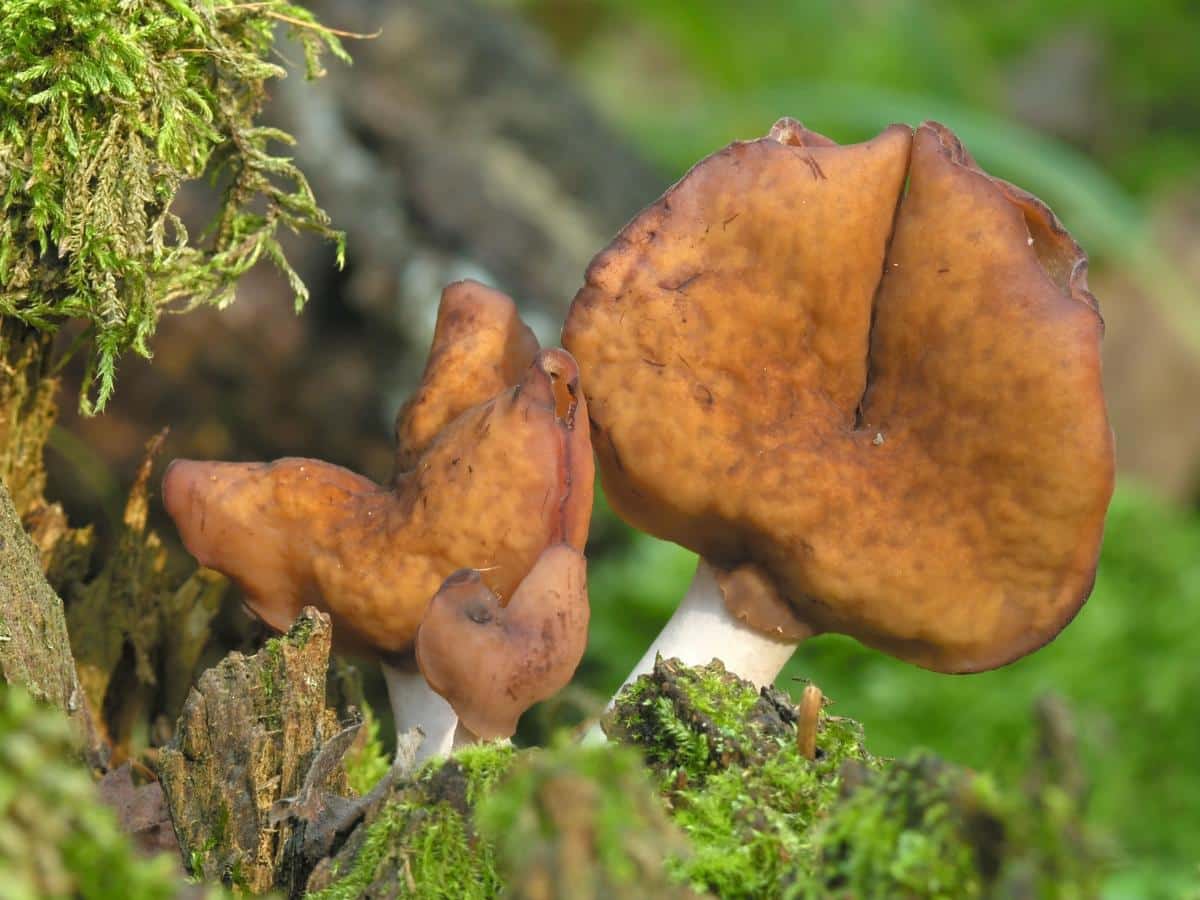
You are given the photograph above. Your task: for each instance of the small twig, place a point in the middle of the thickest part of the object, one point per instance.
(806, 727)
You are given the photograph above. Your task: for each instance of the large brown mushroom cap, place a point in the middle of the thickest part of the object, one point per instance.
(883, 407)
(493, 658)
(497, 485)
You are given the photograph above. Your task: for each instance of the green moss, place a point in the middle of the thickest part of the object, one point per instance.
(272, 669)
(921, 827)
(694, 720)
(301, 631)
(751, 828)
(764, 821)
(367, 761)
(430, 851)
(217, 842)
(729, 806)
(269, 674)
(56, 838)
(482, 765)
(582, 821)
(106, 108)
(733, 776)
(423, 843)
(904, 834)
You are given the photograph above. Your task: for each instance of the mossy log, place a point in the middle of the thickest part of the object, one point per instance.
(34, 649)
(707, 789)
(123, 648)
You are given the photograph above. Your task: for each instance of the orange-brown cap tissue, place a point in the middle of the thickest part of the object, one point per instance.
(863, 382)
(480, 347)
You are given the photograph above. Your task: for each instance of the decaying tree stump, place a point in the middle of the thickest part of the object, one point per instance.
(249, 734)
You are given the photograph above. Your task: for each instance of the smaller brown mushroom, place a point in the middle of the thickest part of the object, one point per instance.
(495, 466)
(493, 658)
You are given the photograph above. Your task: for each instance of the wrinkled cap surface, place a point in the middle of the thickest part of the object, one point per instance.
(480, 347)
(492, 658)
(877, 408)
(495, 486)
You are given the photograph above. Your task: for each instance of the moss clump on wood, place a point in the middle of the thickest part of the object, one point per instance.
(712, 795)
(245, 750)
(734, 777)
(106, 108)
(764, 821)
(419, 839)
(908, 831)
(582, 822)
(922, 827)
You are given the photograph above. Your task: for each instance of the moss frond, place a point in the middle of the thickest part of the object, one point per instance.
(106, 108)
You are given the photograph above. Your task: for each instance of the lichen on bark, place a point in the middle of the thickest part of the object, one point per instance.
(35, 650)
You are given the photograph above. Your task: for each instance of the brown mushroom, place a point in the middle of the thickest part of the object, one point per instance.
(493, 658)
(495, 485)
(871, 410)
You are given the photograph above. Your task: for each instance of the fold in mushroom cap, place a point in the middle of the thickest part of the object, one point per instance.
(496, 486)
(492, 660)
(923, 460)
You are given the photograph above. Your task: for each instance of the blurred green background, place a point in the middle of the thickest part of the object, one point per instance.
(1095, 106)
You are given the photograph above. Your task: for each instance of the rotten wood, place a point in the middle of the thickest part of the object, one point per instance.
(249, 735)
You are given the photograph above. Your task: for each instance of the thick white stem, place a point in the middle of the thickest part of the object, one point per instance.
(701, 630)
(416, 705)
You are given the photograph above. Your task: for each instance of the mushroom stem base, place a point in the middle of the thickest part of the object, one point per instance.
(702, 629)
(416, 705)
